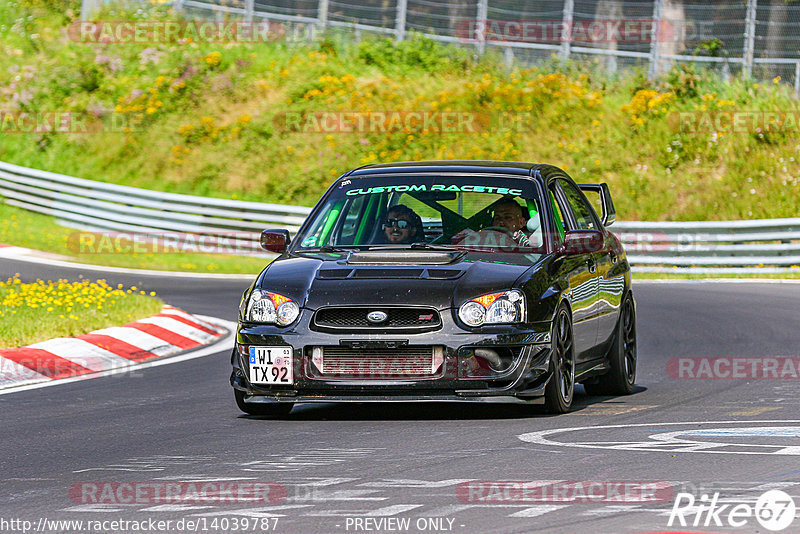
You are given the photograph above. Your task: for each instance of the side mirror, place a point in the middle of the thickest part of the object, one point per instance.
(276, 241)
(582, 242)
(609, 214)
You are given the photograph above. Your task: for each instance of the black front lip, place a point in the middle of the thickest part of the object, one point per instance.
(534, 396)
(524, 382)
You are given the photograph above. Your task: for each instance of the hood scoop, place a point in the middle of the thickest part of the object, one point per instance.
(389, 273)
(402, 257)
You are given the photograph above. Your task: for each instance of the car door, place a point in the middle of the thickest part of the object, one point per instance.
(611, 277)
(582, 278)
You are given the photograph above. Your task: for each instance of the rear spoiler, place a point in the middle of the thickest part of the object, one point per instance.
(609, 214)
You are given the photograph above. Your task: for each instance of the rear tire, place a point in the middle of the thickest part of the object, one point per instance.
(262, 408)
(560, 389)
(622, 357)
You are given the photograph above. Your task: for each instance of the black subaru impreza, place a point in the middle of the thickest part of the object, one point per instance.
(441, 281)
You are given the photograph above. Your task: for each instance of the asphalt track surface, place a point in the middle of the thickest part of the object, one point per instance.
(368, 467)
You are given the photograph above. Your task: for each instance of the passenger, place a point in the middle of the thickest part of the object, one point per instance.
(509, 214)
(402, 225)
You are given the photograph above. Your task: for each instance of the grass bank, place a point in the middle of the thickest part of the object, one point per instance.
(211, 118)
(42, 310)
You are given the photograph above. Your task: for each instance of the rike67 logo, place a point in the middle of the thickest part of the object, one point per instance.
(774, 510)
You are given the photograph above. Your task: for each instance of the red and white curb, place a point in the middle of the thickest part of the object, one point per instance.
(170, 332)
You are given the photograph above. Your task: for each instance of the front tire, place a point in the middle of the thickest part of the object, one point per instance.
(622, 357)
(274, 409)
(561, 388)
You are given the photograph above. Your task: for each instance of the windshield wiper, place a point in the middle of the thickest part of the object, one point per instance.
(327, 248)
(428, 246)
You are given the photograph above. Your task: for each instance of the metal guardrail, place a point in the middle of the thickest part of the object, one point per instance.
(758, 246)
(101, 207)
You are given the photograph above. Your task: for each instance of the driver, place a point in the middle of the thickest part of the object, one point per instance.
(512, 216)
(402, 225)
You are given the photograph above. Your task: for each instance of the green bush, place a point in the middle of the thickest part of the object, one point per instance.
(416, 52)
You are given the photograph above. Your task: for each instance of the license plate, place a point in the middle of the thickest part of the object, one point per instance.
(271, 365)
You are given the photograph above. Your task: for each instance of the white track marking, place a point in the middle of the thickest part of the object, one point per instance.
(264, 511)
(386, 511)
(448, 510)
(199, 480)
(102, 508)
(404, 483)
(174, 508)
(649, 445)
(393, 510)
(536, 511)
(613, 509)
(314, 494)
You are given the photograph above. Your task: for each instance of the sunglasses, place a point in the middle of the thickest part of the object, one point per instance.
(400, 223)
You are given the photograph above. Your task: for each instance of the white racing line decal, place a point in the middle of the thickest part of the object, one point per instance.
(781, 438)
(225, 343)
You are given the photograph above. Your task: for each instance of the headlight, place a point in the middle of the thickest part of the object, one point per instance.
(494, 308)
(267, 307)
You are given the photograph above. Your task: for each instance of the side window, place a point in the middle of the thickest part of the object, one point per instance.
(581, 210)
(595, 200)
(558, 213)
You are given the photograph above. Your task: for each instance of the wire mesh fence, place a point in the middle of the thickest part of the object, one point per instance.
(757, 38)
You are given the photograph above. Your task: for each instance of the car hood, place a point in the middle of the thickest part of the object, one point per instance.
(441, 280)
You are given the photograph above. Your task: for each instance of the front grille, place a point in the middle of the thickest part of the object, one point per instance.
(377, 363)
(356, 317)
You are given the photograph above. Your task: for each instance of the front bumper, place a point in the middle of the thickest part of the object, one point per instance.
(523, 382)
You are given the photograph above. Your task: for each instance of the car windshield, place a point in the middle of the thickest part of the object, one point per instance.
(484, 213)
